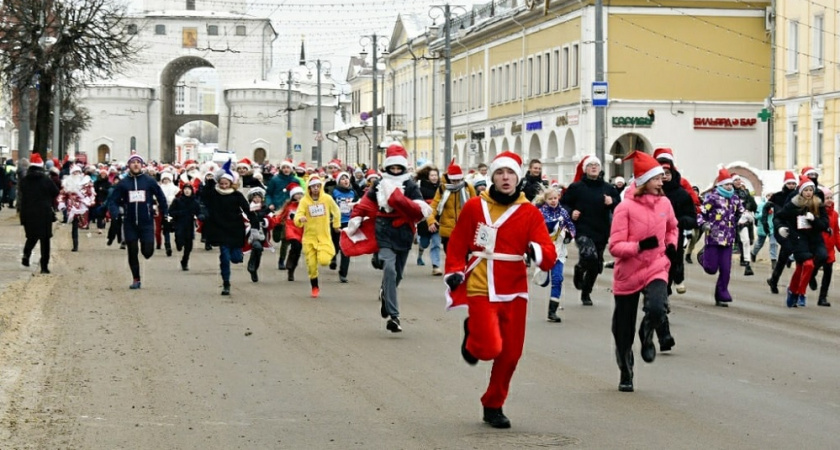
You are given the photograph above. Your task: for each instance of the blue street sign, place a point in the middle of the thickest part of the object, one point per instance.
(600, 94)
(297, 147)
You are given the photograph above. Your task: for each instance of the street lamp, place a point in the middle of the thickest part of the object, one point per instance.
(434, 13)
(319, 138)
(374, 41)
(289, 113)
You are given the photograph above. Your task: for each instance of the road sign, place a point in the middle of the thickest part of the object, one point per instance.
(288, 134)
(600, 94)
(318, 136)
(297, 148)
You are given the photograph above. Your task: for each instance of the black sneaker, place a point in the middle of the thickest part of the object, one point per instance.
(812, 283)
(496, 418)
(333, 265)
(184, 266)
(383, 311)
(667, 344)
(24, 262)
(342, 279)
(688, 258)
(226, 289)
(774, 288)
(393, 325)
(748, 272)
(585, 299)
(468, 357)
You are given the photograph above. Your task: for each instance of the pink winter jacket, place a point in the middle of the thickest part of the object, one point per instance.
(634, 219)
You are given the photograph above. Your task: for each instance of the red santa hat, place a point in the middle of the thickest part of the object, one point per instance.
(301, 168)
(314, 179)
(395, 155)
(645, 167)
(190, 164)
(334, 162)
(723, 177)
(808, 170)
(804, 182)
(287, 163)
(790, 177)
(508, 160)
(454, 171)
(293, 189)
(371, 174)
(581, 167)
(664, 153)
(36, 160)
(244, 162)
(165, 175)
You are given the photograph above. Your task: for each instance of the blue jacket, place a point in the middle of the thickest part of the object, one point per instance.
(136, 195)
(344, 198)
(277, 193)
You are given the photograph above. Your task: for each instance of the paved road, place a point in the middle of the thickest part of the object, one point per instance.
(87, 364)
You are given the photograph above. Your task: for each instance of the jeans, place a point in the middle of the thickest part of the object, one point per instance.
(228, 255)
(759, 243)
(433, 242)
(392, 273)
(556, 280)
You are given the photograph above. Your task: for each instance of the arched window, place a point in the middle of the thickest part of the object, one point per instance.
(133, 145)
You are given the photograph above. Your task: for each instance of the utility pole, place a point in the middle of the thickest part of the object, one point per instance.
(600, 113)
(447, 87)
(289, 116)
(319, 137)
(56, 139)
(375, 112)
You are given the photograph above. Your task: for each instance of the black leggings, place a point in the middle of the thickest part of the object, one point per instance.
(45, 250)
(147, 248)
(626, 308)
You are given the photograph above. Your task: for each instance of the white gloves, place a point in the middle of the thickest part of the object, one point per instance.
(809, 216)
(353, 225)
(784, 232)
(706, 227)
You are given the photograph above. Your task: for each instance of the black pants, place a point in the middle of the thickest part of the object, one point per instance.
(591, 266)
(295, 249)
(676, 274)
(784, 256)
(626, 308)
(147, 248)
(188, 246)
(828, 268)
(74, 233)
(284, 249)
(115, 230)
(45, 250)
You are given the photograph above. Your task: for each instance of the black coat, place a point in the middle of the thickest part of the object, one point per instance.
(587, 196)
(806, 243)
(397, 238)
(681, 202)
(223, 224)
(427, 190)
(184, 210)
(532, 186)
(37, 196)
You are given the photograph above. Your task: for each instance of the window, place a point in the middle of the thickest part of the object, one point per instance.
(190, 5)
(537, 80)
(160, 29)
(212, 30)
(818, 144)
(529, 76)
(494, 96)
(793, 47)
(818, 52)
(514, 81)
(793, 141)
(574, 66)
(131, 29)
(315, 124)
(240, 30)
(547, 80)
(565, 69)
(480, 89)
(506, 88)
(473, 92)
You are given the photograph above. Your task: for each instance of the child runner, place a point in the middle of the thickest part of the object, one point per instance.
(562, 231)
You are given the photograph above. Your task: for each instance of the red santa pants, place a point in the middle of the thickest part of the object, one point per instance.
(801, 276)
(497, 333)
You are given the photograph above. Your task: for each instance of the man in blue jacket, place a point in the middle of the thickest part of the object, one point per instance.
(134, 199)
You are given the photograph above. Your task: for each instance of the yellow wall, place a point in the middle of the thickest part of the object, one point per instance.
(673, 55)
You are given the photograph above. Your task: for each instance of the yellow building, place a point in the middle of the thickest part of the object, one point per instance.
(805, 103)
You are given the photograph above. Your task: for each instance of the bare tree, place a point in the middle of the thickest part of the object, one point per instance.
(64, 42)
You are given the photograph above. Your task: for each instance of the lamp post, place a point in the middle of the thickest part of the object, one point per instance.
(447, 74)
(374, 41)
(289, 81)
(319, 138)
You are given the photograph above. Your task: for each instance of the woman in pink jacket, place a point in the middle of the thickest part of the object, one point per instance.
(643, 234)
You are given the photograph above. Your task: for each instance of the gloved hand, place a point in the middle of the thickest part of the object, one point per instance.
(568, 238)
(167, 218)
(531, 253)
(809, 216)
(671, 252)
(784, 232)
(454, 280)
(648, 243)
(706, 227)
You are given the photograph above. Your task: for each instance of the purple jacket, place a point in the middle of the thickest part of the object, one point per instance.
(722, 215)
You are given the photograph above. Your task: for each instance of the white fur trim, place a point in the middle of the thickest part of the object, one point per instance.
(383, 192)
(424, 208)
(591, 159)
(353, 225)
(538, 253)
(658, 170)
(503, 162)
(395, 161)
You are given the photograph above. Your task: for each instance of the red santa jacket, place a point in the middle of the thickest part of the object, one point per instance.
(832, 241)
(497, 271)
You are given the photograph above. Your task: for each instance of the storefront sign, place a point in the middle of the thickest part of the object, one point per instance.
(496, 132)
(720, 123)
(460, 136)
(632, 122)
(533, 126)
(515, 128)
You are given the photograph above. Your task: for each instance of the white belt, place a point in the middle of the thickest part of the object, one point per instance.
(498, 256)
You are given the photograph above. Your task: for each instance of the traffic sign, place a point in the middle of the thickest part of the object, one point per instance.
(318, 136)
(297, 148)
(600, 94)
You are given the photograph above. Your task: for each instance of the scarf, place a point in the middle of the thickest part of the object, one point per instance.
(503, 199)
(450, 188)
(724, 193)
(227, 191)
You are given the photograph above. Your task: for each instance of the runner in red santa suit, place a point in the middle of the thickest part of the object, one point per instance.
(485, 271)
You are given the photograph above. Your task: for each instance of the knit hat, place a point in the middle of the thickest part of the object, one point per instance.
(293, 189)
(396, 155)
(479, 182)
(508, 160)
(790, 177)
(35, 160)
(809, 171)
(581, 167)
(454, 171)
(804, 182)
(645, 167)
(372, 174)
(135, 157)
(256, 191)
(723, 177)
(619, 180)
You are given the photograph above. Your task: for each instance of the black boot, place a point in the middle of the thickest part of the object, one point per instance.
(646, 339)
(281, 265)
(625, 365)
(552, 311)
(748, 272)
(688, 258)
(75, 245)
(184, 265)
(774, 287)
(468, 357)
(496, 418)
(290, 271)
(24, 261)
(666, 340)
(168, 249)
(253, 265)
(585, 299)
(226, 288)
